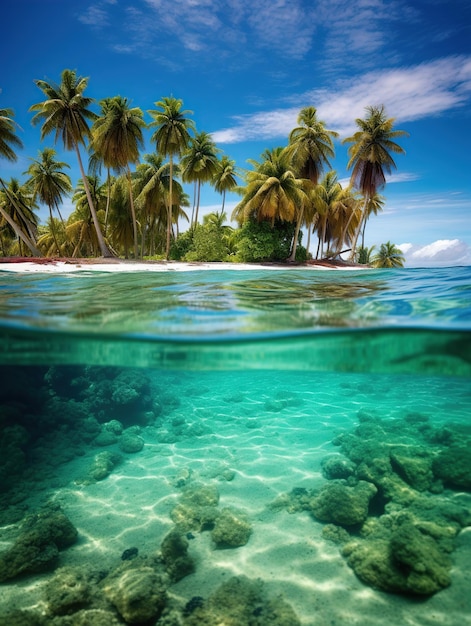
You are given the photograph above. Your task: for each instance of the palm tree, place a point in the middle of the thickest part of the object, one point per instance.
(8, 139)
(66, 113)
(120, 218)
(273, 193)
(389, 255)
(80, 231)
(365, 255)
(225, 178)
(199, 164)
(172, 137)
(49, 184)
(310, 147)
(370, 155)
(52, 238)
(151, 186)
(326, 197)
(117, 139)
(8, 136)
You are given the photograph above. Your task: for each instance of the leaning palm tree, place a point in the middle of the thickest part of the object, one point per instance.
(49, 184)
(172, 137)
(370, 155)
(117, 138)
(66, 113)
(17, 207)
(389, 255)
(199, 164)
(225, 178)
(8, 139)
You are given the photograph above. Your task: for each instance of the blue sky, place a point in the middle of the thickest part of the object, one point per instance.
(246, 68)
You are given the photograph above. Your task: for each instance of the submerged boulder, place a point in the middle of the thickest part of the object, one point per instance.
(232, 529)
(139, 594)
(342, 503)
(405, 561)
(453, 466)
(240, 601)
(37, 547)
(174, 552)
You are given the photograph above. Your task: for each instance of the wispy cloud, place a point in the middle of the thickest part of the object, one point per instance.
(409, 93)
(96, 15)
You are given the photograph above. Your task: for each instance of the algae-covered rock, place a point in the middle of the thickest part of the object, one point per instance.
(414, 466)
(232, 529)
(239, 602)
(453, 466)
(23, 618)
(67, 592)
(37, 547)
(102, 465)
(174, 551)
(342, 503)
(139, 594)
(427, 567)
(337, 466)
(130, 442)
(87, 617)
(402, 560)
(197, 509)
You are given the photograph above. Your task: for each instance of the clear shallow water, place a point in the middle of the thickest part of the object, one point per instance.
(254, 373)
(403, 320)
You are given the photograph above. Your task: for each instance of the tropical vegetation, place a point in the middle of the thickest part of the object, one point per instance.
(135, 209)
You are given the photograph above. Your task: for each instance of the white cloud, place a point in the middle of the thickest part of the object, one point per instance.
(408, 93)
(440, 253)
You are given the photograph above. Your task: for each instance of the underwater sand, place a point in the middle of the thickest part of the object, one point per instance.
(272, 429)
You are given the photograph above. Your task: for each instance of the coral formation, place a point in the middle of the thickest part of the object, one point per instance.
(385, 503)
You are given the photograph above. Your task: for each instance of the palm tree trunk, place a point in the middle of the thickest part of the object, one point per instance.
(169, 209)
(101, 242)
(53, 232)
(133, 215)
(197, 202)
(292, 256)
(358, 230)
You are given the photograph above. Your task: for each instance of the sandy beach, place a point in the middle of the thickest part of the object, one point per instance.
(121, 265)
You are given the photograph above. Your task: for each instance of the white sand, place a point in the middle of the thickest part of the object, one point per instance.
(269, 455)
(161, 266)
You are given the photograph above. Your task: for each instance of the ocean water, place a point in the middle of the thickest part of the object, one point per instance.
(244, 382)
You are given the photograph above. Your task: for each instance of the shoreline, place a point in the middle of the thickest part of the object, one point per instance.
(59, 265)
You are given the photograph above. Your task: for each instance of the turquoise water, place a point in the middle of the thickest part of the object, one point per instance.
(244, 381)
